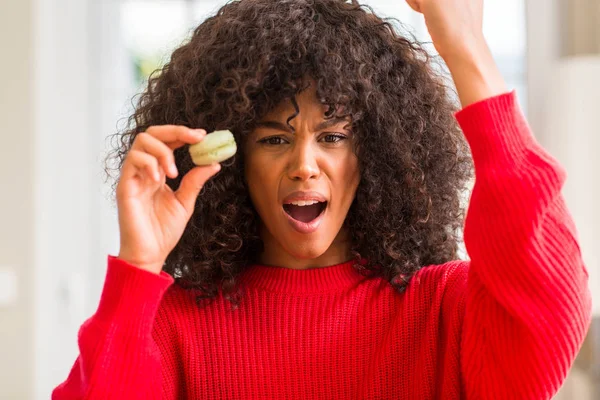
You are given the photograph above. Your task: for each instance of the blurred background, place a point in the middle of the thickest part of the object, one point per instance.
(70, 70)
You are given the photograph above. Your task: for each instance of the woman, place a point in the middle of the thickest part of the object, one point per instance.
(360, 295)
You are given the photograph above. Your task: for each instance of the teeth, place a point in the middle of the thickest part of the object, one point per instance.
(304, 203)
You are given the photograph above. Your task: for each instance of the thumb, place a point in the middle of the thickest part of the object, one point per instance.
(192, 183)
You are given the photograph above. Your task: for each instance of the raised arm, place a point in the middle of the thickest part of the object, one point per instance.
(528, 306)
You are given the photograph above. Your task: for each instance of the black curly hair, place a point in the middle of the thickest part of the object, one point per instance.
(414, 162)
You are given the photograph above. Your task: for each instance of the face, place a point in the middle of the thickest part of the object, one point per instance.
(316, 162)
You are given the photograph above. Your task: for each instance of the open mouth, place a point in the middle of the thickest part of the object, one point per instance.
(305, 213)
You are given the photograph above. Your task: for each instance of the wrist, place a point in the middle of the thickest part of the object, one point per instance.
(475, 74)
(464, 49)
(155, 268)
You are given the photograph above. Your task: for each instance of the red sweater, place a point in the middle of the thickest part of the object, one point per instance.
(506, 324)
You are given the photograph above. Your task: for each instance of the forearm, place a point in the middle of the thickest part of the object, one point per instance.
(475, 73)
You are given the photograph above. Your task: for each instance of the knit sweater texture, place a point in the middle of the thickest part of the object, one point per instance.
(506, 323)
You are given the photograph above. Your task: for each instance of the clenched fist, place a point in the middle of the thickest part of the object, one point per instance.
(455, 26)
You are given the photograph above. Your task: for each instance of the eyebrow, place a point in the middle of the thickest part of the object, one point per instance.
(281, 126)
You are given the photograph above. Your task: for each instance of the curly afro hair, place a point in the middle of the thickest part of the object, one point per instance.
(414, 162)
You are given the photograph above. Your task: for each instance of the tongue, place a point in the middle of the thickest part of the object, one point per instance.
(304, 213)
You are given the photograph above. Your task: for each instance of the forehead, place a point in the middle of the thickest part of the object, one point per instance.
(323, 124)
(307, 102)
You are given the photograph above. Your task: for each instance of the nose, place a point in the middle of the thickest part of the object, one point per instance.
(303, 163)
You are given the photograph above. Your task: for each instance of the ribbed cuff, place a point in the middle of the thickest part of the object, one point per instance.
(131, 296)
(496, 130)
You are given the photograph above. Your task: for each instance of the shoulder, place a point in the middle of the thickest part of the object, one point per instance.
(447, 277)
(178, 302)
(177, 307)
(446, 284)
(177, 297)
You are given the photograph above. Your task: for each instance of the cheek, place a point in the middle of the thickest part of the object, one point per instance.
(349, 179)
(252, 176)
(348, 170)
(344, 178)
(262, 182)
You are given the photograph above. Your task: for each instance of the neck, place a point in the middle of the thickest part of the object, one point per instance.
(275, 255)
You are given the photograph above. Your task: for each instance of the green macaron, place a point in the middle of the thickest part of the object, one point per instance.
(213, 148)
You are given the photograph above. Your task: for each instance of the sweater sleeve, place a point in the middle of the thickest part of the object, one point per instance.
(527, 303)
(119, 358)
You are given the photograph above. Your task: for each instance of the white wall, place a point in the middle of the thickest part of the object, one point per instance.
(63, 181)
(543, 52)
(17, 198)
(78, 99)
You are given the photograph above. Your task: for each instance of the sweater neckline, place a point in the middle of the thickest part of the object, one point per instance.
(330, 278)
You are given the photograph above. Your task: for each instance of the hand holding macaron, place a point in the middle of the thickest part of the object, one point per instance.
(152, 216)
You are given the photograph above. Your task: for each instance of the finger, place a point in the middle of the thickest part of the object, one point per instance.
(192, 183)
(139, 163)
(151, 145)
(176, 136)
(414, 4)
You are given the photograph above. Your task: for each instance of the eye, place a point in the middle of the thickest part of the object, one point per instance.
(277, 140)
(334, 138)
(272, 141)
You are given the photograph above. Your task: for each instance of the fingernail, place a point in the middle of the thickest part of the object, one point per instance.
(199, 132)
